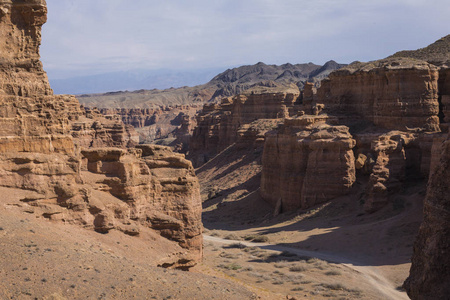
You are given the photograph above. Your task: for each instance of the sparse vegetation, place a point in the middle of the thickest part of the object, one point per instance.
(234, 246)
(288, 254)
(257, 238)
(333, 273)
(232, 236)
(298, 268)
(333, 286)
(232, 266)
(229, 255)
(282, 264)
(214, 233)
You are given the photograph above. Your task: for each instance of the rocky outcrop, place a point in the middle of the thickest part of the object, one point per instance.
(157, 189)
(444, 94)
(142, 117)
(298, 161)
(219, 124)
(388, 171)
(92, 129)
(392, 109)
(169, 125)
(430, 270)
(46, 146)
(391, 94)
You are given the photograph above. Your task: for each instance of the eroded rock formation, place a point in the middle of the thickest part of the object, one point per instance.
(299, 158)
(430, 271)
(46, 146)
(391, 94)
(392, 109)
(219, 124)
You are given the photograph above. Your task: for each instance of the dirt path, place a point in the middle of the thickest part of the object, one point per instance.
(368, 273)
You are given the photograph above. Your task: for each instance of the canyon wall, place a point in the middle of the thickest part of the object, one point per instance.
(218, 125)
(430, 270)
(50, 145)
(306, 162)
(391, 108)
(171, 125)
(391, 94)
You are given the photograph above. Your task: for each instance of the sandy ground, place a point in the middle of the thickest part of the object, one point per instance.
(41, 259)
(370, 251)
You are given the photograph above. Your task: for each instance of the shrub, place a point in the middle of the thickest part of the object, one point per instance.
(333, 273)
(257, 238)
(232, 236)
(287, 254)
(297, 268)
(235, 246)
(282, 264)
(232, 266)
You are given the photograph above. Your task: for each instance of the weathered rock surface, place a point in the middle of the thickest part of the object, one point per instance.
(389, 168)
(160, 191)
(299, 158)
(391, 94)
(46, 146)
(92, 129)
(219, 124)
(430, 271)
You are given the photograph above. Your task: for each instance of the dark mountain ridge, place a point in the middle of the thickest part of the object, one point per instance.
(228, 83)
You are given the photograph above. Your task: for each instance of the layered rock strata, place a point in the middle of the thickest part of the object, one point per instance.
(391, 94)
(430, 270)
(298, 159)
(92, 129)
(142, 117)
(392, 107)
(219, 124)
(46, 146)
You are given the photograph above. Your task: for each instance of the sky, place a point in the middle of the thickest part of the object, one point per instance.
(86, 37)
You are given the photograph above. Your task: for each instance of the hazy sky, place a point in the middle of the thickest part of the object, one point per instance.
(85, 37)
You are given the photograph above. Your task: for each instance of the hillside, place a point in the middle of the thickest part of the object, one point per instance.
(437, 53)
(229, 83)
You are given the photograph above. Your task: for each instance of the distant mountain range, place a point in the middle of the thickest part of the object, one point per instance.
(131, 80)
(230, 82)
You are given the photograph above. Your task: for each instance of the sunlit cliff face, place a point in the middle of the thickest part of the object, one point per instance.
(20, 38)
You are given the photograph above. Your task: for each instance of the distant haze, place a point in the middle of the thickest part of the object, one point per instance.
(159, 44)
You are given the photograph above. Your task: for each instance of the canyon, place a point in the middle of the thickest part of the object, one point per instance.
(325, 161)
(77, 167)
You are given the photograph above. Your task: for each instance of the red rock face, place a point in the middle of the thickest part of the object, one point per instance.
(444, 94)
(391, 94)
(218, 124)
(44, 141)
(298, 159)
(430, 271)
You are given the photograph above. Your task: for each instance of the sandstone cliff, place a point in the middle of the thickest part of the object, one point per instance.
(391, 94)
(392, 107)
(298, 160)
(49, 145)
(219, 124)
(430, 271)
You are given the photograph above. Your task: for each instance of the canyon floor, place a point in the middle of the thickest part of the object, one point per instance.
(43, 259)
(332, 251)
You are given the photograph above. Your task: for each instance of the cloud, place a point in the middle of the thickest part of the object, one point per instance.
(90, 37)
